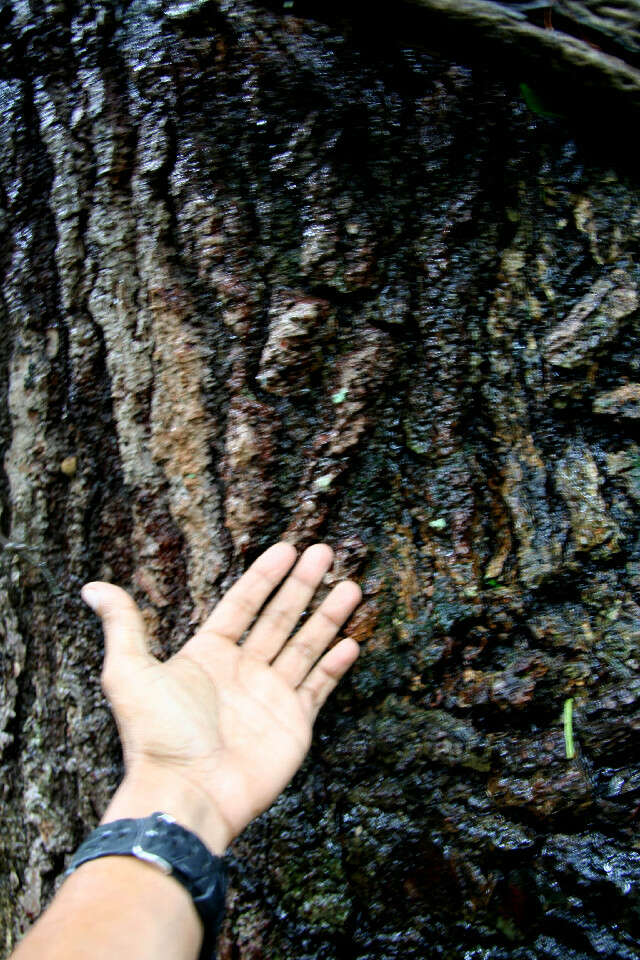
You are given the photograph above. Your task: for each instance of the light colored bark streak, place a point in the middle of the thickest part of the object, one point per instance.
(121, 305)
(66, 206)
(539, 538)
(112, 300)
(180, 432)
(181, 428)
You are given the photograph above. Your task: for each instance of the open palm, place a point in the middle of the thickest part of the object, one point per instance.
(232, 720)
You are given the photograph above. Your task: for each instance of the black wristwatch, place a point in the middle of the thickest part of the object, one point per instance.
(159, 840)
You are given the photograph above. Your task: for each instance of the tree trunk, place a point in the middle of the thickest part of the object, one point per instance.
(266, 275)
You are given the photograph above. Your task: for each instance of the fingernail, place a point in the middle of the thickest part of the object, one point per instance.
(91, 596)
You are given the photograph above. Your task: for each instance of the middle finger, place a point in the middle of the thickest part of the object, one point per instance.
(280, 616)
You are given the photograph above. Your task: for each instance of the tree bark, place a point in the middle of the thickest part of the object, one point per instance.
(266, 275)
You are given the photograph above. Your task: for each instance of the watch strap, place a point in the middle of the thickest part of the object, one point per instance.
(162, 842)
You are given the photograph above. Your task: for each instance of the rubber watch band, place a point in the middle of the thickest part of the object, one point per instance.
(162, 842)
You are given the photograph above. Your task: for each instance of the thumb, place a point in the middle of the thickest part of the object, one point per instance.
(125, 634)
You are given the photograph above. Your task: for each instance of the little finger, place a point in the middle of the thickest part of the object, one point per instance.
(326, 675)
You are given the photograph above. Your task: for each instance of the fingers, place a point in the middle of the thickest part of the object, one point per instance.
(239, 606)
(280, 617)
(124, 630)
(302, 651)
(326, 675)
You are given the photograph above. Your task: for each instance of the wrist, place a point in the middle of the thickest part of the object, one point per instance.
(147, 789)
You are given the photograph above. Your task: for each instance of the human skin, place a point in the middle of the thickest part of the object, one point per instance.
(212, 737)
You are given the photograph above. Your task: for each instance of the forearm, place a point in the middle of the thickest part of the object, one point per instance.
(116, 907)
(120, 906)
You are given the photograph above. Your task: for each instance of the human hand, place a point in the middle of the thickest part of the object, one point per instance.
(214, 735)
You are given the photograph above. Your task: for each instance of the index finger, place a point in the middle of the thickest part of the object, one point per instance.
(240, 605)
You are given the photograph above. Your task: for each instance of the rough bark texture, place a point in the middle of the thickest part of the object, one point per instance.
(263, 275)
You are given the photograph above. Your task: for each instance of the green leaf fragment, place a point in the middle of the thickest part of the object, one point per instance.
(567, 720)
(340, 396)
(438, 524)
(535, 102)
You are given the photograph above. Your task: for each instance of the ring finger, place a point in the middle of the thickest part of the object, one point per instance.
(299, 655)
(280, 616)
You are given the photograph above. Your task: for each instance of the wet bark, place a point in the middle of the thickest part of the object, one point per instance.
(266, 275)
